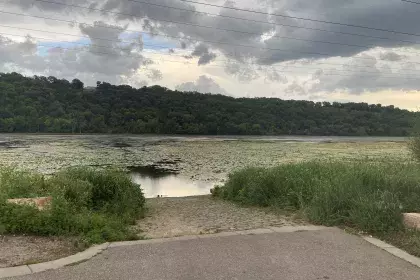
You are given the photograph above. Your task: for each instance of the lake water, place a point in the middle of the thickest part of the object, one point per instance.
(170, 185)
(173, 165)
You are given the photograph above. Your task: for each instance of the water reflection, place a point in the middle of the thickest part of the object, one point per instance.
(170, 185)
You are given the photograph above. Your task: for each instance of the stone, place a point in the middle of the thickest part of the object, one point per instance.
(38, 202)
(412, 220)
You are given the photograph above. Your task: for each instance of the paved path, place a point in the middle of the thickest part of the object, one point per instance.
(304, 255)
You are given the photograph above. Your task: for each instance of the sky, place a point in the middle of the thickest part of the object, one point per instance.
(320, 50)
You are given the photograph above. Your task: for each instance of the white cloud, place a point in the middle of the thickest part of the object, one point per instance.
(203, 84)
(274, 65)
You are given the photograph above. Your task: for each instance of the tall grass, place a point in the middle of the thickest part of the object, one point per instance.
(97, 205)
(370, 197)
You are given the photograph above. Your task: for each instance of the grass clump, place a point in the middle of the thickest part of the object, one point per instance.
(369, 197)
(97, 205)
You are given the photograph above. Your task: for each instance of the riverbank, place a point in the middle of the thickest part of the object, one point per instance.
(165, 218)
(18, 250)
(171, 217)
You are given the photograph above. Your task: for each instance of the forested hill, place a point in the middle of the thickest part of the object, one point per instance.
(47, 104)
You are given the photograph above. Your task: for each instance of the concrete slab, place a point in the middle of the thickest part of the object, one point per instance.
(286, 229)
(317, 254)
(151, 241)
(220, 234)
(255, 231)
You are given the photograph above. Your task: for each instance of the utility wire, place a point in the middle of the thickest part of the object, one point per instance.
(223, 66)
(247, 46)
(183, 56)
(244, 32)
(300, 18)
(231, 17)
(143, 32)
(165, 47)
(412, 2)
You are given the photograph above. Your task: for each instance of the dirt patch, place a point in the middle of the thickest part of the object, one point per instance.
(20, 250)
(169, 217)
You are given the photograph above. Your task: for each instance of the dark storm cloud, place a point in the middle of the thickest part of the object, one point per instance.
(392, 15)
(380, 14)
(48, 6)
(263, 43)
(376, 13)
(205, 56)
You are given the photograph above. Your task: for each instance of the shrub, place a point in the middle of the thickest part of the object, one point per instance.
(414, 146)
(97, 205)
(376, 213)
(16, 184)
(109, 190)
(370, 197)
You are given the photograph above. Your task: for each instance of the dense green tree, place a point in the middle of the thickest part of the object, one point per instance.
(48, 104)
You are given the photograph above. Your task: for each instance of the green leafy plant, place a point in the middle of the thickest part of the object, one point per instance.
(97, 205)
(368, 196)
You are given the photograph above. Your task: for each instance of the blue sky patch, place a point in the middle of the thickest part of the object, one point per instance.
(150, 43)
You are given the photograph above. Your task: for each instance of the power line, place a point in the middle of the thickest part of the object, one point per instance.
(259, 34)
(152, 45)
(149, 51)
(300, 18)
(159, 46)
(155, 45)
(231, 17)
(413, 2)
(221, 66)
(245, 46)
(230, 30)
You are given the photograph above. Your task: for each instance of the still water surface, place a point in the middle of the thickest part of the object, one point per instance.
(49, 153)
(170, 185)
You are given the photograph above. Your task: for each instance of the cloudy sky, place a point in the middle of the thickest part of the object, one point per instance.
(321, 50)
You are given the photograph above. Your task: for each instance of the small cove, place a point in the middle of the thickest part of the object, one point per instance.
(168, 184)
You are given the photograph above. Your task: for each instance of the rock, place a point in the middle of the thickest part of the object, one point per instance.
(412, 220)
(38, 202)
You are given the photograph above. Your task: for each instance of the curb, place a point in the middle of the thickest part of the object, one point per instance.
(393, 250)
(34, 268)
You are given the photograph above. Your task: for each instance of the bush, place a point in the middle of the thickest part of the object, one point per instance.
(97, 205)
(414, 146)
(370, 197)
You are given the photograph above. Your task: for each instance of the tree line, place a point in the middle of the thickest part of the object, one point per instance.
(47, 104)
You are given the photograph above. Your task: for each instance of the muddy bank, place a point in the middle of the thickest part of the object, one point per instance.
(20, 250)
(169, 217)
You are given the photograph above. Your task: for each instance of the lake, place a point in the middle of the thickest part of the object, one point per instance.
(186, 165)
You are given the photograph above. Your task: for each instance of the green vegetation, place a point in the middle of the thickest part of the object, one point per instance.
(364, 196)
(47, 104)
(96, 205)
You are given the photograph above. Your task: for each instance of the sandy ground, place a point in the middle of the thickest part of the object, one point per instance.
(169, 217)
(18, 250)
